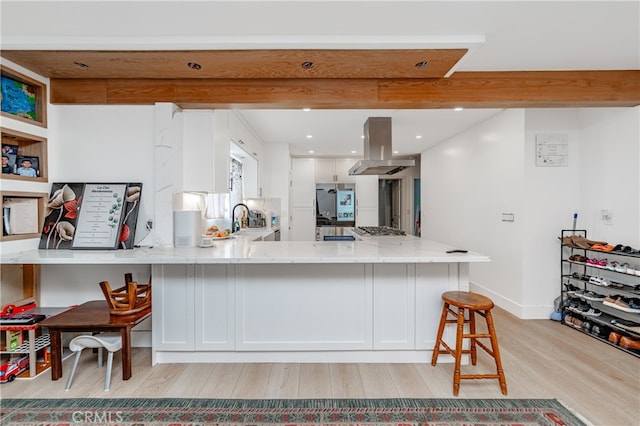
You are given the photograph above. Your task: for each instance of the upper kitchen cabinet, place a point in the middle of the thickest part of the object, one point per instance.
(334, 170)
(302, 200)
(252, 152)
(206, 145)
(303, 185)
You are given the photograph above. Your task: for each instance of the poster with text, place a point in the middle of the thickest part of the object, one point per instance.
(91, 216)
(100, 216)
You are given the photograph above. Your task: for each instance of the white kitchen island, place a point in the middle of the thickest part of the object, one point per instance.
(376, 300)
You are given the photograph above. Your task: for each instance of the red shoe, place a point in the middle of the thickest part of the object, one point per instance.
(629, 343)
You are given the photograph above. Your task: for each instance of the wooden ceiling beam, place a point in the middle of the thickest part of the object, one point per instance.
(464, 89)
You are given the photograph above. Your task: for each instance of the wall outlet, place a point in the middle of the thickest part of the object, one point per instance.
(607, 217)
(508, 217)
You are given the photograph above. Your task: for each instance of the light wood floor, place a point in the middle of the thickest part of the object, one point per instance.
(541, 358)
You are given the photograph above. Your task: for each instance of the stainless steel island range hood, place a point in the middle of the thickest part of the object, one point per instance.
(377, 150)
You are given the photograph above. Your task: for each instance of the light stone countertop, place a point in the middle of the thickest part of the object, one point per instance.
(245, 251)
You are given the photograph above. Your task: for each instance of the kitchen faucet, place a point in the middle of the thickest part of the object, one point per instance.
(235, 224)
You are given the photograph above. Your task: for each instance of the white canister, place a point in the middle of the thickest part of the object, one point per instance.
(186, 228)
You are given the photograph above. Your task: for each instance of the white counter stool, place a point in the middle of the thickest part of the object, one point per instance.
(475, 304)
(112, 342)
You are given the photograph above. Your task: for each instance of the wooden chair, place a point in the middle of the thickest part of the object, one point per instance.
(129, 299)
(473, 304)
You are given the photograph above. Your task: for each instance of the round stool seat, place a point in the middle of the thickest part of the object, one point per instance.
(467, 300)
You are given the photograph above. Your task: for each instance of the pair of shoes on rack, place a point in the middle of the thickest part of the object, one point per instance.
(579, 241)
(573, 321)
(600, 331)
(598, 263)
(591, 312)
(629, 343)
(614, 337)
(602, 247)
(598, 281)
(577, 258)
(581, 277)
(571, 289)
(592, 296)
(626, 249)
(624, 304)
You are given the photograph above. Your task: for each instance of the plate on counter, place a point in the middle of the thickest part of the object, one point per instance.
(213, 237)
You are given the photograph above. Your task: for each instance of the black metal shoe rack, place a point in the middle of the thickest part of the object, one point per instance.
(575, 276)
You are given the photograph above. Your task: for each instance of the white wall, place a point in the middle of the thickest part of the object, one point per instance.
(551, 198)
(610, 174)
(103, 144)
(469, 180)
(467, 183)
(99, 144)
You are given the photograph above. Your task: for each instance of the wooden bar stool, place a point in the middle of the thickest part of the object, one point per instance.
(475, 304)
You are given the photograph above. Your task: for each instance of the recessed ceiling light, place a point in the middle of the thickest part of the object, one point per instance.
(362, 137)
(309, 136)
(306, 109)
(354, 151)
(194, 65)
(419, 137)
(396, 151)
(307, 65)
(422, 64)
(458, 109)
(81, 65)
(311, 151)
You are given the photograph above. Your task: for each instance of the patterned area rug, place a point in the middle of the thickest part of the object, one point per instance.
(291, 412)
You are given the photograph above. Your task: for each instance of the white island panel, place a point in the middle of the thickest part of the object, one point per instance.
(431, 281)
(393, 306)
(304, 307)
(214, 314)
(173, 326)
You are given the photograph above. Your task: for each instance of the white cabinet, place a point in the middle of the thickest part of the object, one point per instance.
(206, 151)
(334, 170)
(366, 200)
(173, 320)
(214, 300)
(393, 306)
(302, 199)
(242, 136)
(302, 224)
(304, 307)
(303, 184)
(194, 307)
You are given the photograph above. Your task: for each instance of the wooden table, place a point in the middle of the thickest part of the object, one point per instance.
(92, 317)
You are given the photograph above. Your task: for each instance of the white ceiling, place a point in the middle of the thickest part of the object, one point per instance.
(500, 35)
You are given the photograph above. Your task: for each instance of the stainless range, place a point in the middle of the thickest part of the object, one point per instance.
(378, 231)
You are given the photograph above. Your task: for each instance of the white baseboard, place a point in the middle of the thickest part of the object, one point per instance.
(522, 312)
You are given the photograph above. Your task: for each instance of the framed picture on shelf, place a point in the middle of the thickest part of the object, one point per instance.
(28, 166)
(19, 98)
(23, 98)
(9, 156)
